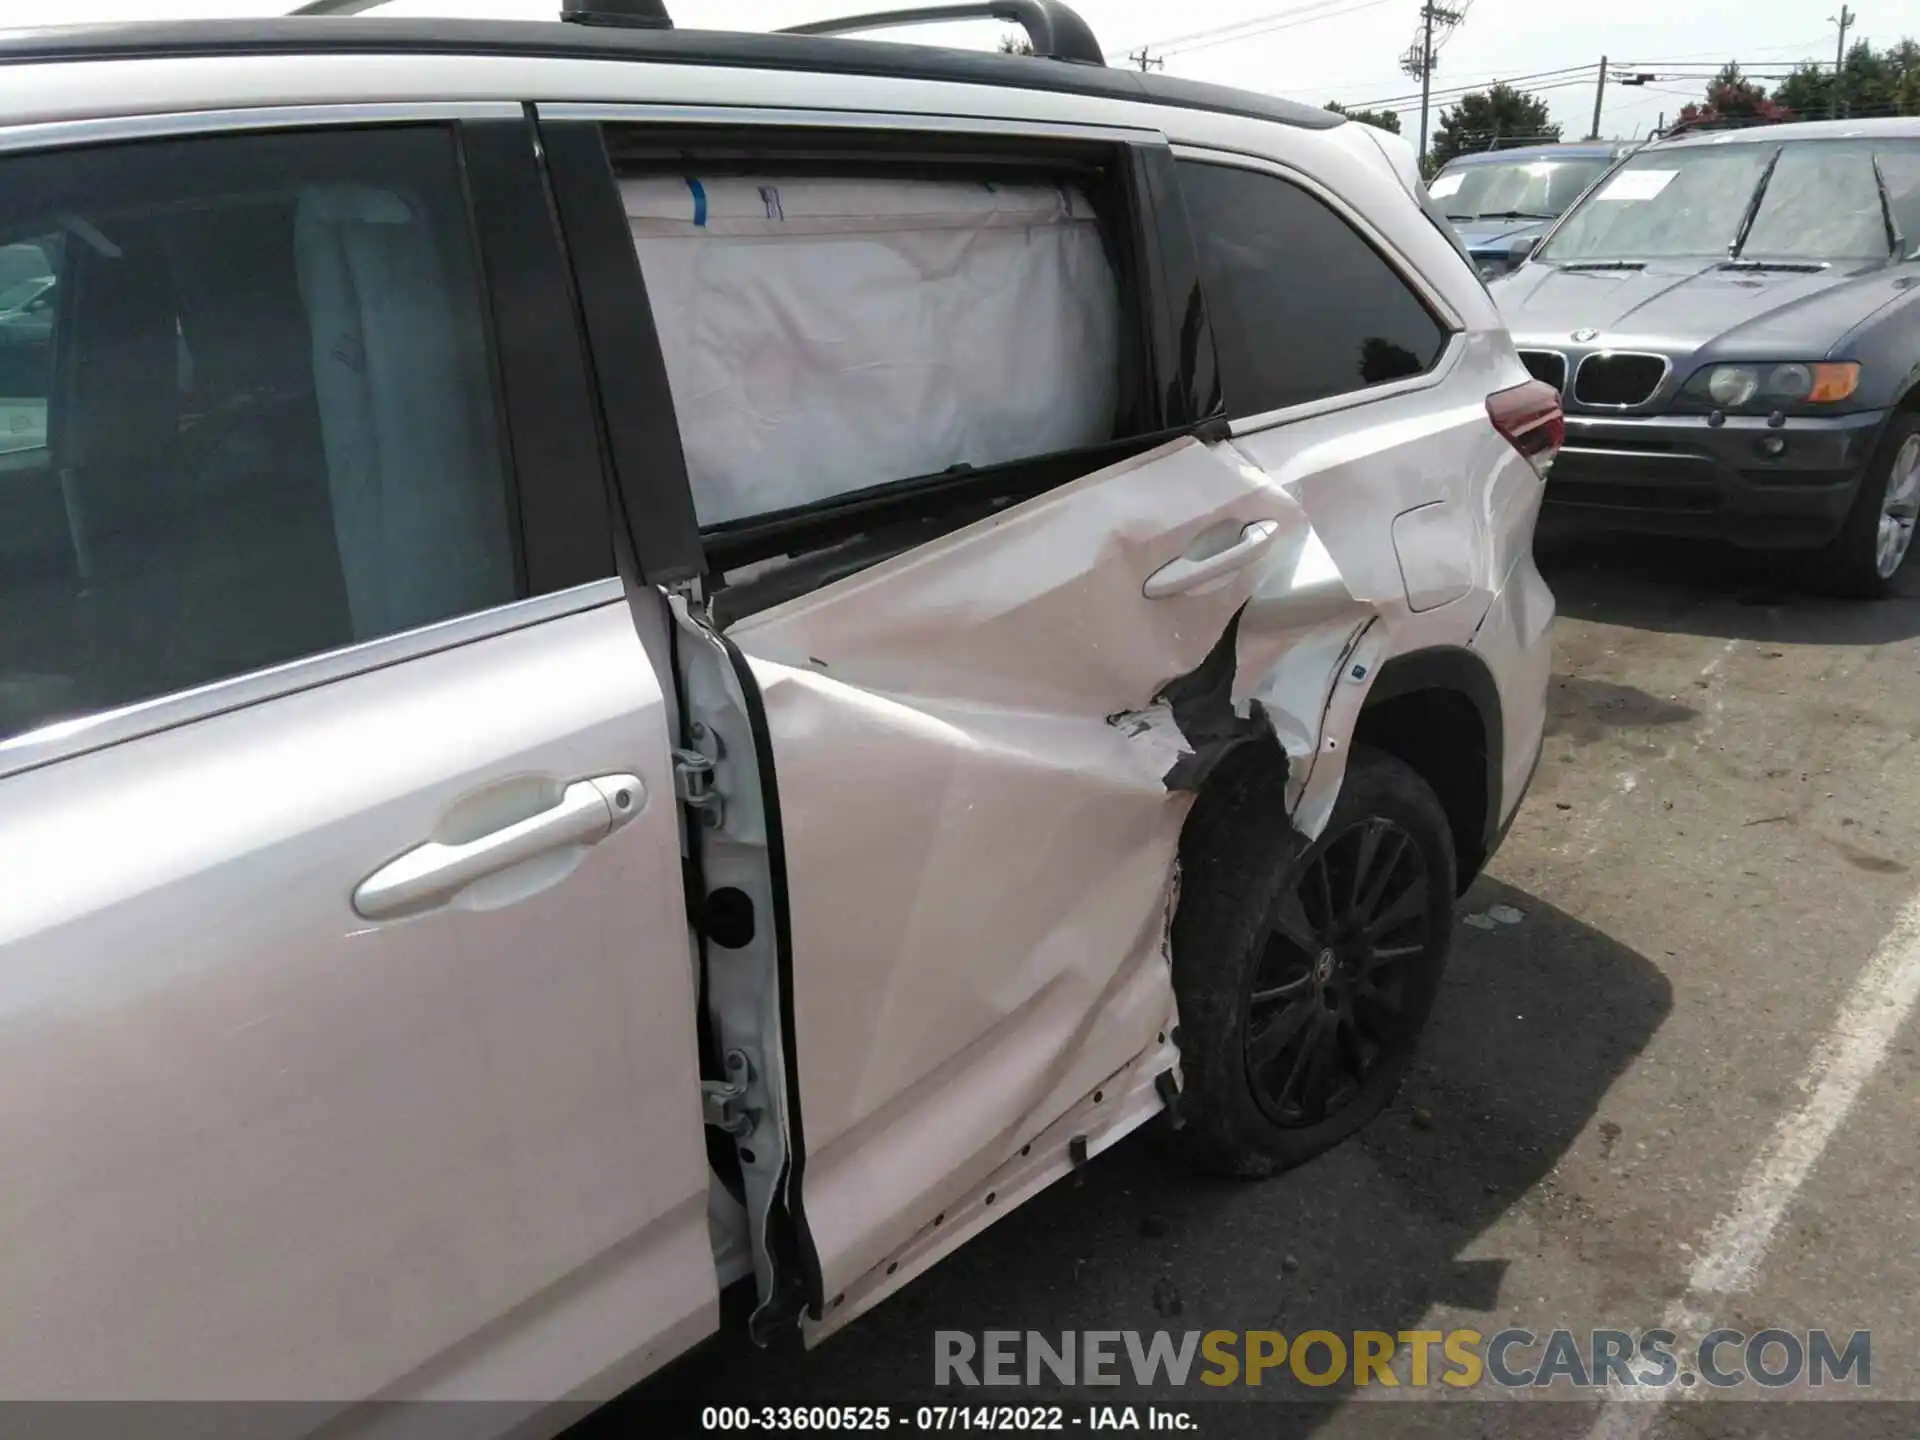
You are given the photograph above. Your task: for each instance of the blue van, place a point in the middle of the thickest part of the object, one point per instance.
(1497, 198)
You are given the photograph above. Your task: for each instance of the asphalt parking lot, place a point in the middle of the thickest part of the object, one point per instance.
(1677, 1089)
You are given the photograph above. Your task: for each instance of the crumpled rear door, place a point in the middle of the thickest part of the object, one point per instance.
(985, 750)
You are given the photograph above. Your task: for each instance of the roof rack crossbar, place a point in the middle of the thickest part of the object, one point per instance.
(1055, 31)
(640, 14)
(644, 14)
(336, 7)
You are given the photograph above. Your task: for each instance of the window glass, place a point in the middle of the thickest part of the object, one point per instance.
(1822, 203)
(825, 335)
(1302, 306)
(29, 271)
(1533, 189)
(247, 413)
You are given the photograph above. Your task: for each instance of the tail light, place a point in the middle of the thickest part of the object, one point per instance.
(1529, 418)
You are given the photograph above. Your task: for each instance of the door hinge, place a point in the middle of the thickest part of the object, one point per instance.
(723, 1102)
(693, 784)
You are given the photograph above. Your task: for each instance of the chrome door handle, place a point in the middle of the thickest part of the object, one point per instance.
(432, 874)
(1178, 576)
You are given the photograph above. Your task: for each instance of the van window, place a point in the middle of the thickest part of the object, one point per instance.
(249, 412)
(29, 271)
(1303, 306)
(828, 334)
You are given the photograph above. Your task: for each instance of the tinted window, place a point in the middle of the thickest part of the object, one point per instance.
(247, 411)
(1302, 306)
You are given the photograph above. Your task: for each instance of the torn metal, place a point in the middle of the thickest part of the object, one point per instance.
(1310, 635)
(982, 818)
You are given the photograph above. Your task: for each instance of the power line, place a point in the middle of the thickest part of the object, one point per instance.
(1227, 32)
(1580, 75)
(1582, 71)
(1268, 29)
(1669, 63)
(1448, 97)
(1409, 107)
(1710, 54)
(1459, 19)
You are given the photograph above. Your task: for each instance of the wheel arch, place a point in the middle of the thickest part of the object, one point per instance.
(1438, 711)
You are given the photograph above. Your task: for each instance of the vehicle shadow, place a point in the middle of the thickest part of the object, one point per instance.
(1537, 1020)
(1696, 587)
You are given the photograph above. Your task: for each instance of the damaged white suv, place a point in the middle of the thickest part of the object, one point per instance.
(636, 658)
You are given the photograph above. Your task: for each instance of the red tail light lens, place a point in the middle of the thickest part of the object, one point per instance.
(1529, 417)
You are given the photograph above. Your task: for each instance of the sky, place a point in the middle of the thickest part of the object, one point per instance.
(1313, 50)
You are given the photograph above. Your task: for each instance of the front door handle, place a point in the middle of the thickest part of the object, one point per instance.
(1179, 576)
(432, 874)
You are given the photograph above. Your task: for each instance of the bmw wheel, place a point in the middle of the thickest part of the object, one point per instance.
(1873, 545)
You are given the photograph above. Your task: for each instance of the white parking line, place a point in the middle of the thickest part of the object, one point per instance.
(1838, 1070)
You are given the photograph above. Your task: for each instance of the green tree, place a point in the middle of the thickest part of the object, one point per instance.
(1383, 119)
(1015, 45)
(1501, 118)
(1808, 91)
(1874, 82)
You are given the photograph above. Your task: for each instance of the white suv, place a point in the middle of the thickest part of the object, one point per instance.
(633, 659)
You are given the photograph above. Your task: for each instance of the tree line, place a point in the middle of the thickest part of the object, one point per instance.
(1503, 117)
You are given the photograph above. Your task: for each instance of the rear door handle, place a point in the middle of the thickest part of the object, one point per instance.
(434, 873)
(1177, 577)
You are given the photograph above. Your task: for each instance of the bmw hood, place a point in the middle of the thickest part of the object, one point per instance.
(1684, 309)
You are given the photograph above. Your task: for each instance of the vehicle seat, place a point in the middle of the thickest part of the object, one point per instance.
(411, 450)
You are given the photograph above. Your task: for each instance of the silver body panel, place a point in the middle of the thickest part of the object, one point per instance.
(264, 1149)
(242, 1111)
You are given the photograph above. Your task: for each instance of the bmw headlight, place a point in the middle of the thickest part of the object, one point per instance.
(1789, 385)
(1732, 386)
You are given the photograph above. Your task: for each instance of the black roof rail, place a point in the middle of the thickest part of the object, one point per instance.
(1055, 31)
(359, 34)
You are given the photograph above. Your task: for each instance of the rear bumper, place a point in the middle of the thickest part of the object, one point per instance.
(1678, 475)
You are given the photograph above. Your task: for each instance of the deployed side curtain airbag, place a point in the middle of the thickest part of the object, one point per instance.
(412, 458)
(826, 335)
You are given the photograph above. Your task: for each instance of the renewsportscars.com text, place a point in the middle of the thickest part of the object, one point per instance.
(1461, 1359)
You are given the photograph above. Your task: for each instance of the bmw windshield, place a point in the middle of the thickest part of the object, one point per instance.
(1514, 190)
(1804, 202)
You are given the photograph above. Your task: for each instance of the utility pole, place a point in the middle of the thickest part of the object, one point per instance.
(1599, 94)
(1144, 59)
(1426, 72)
(1419, 60)
(1845, 19)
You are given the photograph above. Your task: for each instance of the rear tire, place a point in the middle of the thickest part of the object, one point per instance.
(1304, 974)
(1875, 542)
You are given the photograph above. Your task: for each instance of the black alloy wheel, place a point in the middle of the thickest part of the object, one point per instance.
(1304, 971)
(1329, 1000)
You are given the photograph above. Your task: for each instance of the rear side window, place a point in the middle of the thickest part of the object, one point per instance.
(829, 334)
(247, 412)
(1303, 307)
